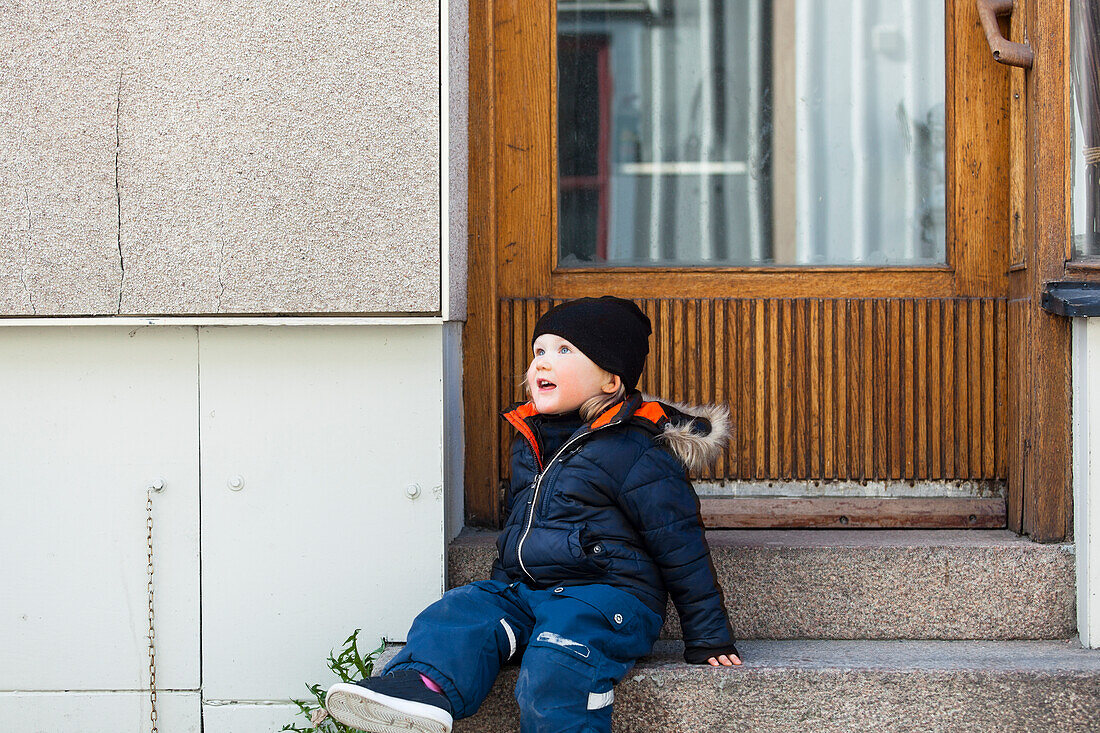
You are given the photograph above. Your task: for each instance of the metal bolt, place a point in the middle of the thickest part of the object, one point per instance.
(412, 491)
(236, 483)
(156, 484)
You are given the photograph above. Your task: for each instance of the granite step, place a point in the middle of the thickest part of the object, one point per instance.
(1003, 686)
(870, 584)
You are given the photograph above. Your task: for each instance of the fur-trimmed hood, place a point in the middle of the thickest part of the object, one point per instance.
(696, 434)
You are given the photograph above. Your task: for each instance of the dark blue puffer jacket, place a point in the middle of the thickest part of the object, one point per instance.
(614, 506)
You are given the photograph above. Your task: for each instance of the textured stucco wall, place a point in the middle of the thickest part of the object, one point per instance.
(458, 124)
(271, 157)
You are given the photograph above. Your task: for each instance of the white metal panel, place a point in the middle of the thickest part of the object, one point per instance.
(251, 718)
(88, 417)
(1086, 475)
(454, 447)
(99, 712)
(325, 428)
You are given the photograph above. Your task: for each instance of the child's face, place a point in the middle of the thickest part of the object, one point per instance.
(561, 378)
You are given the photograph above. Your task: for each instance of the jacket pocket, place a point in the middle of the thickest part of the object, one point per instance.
(621, 609)
(632, 624)
(551, 554)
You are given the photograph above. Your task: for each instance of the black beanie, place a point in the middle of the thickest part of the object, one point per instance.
(612, 332)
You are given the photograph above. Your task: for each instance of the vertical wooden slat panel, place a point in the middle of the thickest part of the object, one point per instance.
(741, 361)
(1018, 415)
(748, 393)
(950, 394)
(531, 316)
(504, 388)
(794, 400)
(899, 389)
(762, 335)
(676, 350)
(704, 337)
(771, 310)
(661, 353)
(858, 386)
(740, 365)
(816, 328)
(828, 388)
(881, 371)
(937, 386)
(962, 382)
(525, 313)
(921, 389)
(781, 396)
(1002, 360)
(649, 376)
(894, 399)
(908, 430)
(869, 374)
(692, 366)
(681, 351)
(519, 325)
(977, 375)
(664, 367)
(988, 360)
(721, 375)
(841, 349)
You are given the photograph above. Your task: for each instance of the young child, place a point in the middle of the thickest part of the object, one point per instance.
(602, 525)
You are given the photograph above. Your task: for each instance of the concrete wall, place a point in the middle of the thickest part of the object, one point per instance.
(229, 156)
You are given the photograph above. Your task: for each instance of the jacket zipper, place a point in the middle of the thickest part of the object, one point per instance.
(535, 497)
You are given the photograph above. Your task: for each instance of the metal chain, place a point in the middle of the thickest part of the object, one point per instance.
(152, 634)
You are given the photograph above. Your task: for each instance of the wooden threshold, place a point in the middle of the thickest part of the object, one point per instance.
(854, 513)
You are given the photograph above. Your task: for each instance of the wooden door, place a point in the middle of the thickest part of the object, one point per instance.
(839, 377)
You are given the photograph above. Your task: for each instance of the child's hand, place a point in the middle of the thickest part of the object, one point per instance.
(731, 660)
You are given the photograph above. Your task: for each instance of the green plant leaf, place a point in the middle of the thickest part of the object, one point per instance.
(349, 666)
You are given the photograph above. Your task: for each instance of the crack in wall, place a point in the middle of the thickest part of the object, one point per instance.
(26, 260)
(118, 196)
(221, 280)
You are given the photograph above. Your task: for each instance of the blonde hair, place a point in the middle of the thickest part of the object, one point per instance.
(593, 406)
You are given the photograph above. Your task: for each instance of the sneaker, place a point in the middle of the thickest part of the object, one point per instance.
(398, 702)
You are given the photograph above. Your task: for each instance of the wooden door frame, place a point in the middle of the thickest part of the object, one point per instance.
(508, 144)
(1040, 480)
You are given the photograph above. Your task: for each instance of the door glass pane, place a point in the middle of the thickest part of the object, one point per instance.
(750, 132)
(1086, 148)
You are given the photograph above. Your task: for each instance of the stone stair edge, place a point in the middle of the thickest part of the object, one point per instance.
(837, 539)
(847, 656)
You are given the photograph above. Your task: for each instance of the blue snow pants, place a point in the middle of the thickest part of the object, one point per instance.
(576, 642)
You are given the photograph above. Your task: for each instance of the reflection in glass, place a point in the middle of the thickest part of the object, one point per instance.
(750, 132)
(1086, 94)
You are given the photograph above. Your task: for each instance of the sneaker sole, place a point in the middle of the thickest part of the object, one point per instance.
(370, 711)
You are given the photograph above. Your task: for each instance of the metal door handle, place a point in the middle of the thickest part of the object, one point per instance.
(1004, 51)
